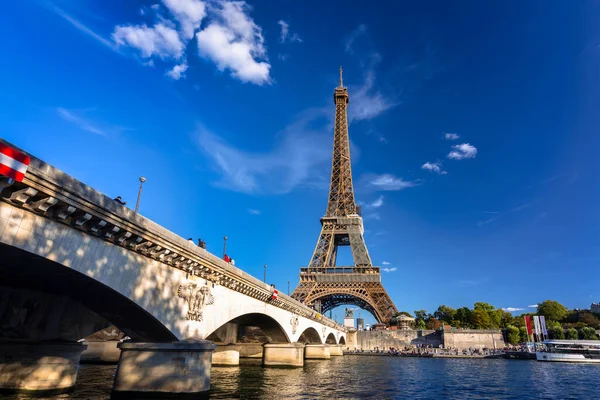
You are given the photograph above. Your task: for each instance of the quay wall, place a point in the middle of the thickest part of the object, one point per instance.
(459, 339)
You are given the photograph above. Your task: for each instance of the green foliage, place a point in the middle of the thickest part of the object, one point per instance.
(480, 319)
(513, 335)
(483, 306)
(552, 310)
(572, 334)
(420, 325)
(524, 335)
(421, 315)
(557, 332)
(444, 313)
(463, 316)
(588, 333)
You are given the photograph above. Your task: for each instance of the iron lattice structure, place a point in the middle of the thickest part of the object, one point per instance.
(323, 285)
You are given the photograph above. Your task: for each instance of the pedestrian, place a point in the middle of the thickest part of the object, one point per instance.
(119, 200)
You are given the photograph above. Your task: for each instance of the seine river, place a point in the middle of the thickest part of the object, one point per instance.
(364, 377)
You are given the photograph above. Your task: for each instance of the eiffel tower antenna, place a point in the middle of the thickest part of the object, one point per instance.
(323, 284)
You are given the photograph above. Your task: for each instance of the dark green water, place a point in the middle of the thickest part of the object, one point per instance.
(355, 377)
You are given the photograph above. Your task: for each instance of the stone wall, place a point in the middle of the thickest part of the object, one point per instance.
(464, 339)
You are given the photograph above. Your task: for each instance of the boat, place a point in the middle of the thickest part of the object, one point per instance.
(575, 351)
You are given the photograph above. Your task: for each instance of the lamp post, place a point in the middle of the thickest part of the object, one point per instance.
(137, 204)
(224, 246)
(265, 278)
(288, 288)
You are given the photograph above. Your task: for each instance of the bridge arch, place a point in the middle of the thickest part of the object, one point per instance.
(310, 336)
(37, 287)
(330, 339)
(250, 328)
(329, 301)
(342, 340)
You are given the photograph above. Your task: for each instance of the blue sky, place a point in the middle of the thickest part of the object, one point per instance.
(474, 130)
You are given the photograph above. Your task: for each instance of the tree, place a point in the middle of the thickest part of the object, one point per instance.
(444, 313)
(512, 334)
(483, 306)
(463, 315)
(433, 323)
(421, 315)
(588, 333)
(557, 332)
(480, 319)
(552, 310)
(496, 318)
(524, 335)
(572, 334)
(420, 325)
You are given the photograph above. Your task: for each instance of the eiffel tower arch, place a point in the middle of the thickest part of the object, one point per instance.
(324, 285)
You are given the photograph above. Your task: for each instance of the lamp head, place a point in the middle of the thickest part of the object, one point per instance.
(142, 179)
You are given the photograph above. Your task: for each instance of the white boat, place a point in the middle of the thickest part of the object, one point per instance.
(575, 351)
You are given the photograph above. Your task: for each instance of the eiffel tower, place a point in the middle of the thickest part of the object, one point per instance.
(323, 285)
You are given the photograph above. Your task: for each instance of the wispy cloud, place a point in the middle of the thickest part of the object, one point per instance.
(178, 71)
(82, 123)
(434, 167)
(286, 34)
(387, 182)
(253, 211)
(378, 202)
(533, 306)
(451, 136)
(389, 269)
(501, 215)
(512, 309)
(368, 102)
(82, 27)
(385, 263)
(465, 283)
(462, 151)
(361, 29)
(299, 158)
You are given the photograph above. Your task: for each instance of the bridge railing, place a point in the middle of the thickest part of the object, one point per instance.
(56, 195)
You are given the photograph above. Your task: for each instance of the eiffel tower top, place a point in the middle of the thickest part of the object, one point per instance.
(341, 192)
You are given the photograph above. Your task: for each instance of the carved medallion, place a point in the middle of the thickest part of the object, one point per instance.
(197, 297)
(294, 322)
(324, 329)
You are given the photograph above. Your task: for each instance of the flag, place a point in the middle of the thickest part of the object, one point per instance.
(543, 323)
(528, 325)
(13, 163)
(226, 258)
(275, 294)
(536, 324)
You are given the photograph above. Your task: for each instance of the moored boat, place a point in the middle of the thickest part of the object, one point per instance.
(575, 351)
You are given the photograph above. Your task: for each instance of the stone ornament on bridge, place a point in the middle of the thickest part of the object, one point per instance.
(324, 329)
(197, 297)
(294, 322)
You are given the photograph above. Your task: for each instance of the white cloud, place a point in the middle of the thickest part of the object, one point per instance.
(299, 159)
(235, 43)
(451, 136)
(81, 122)
(385, 263)
(388, 182)
(533, 306)
(434, 167)
(367, 103)
(283, 57)
(178, 71)
(361, 29)
(377, 203)
(160, 40)
(462, 151)
(512, 309)
(286, 35)
(389, 269)
(189, 14)
(253, 211)
(83, 28)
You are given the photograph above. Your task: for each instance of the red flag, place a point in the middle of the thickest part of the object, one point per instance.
(275, 294)
(528, 325)
(226, 258)
(13, 163)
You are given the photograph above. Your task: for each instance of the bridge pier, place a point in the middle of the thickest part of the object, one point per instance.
(177, 369)
(39, 367)
(226, 355)
(317, 352)
(283, 355)
(336, 350)
(101, 352)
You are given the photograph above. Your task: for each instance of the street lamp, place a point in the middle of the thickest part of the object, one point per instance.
(288, 288)
(265, 278)
(224, 246)
(137, 204)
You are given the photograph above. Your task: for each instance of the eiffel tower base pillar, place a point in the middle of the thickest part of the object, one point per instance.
(317, 352)
(283, 355)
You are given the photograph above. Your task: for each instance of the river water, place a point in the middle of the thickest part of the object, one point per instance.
(372, 377)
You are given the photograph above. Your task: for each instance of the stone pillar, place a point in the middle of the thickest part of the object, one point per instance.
(105, 352)
(163, 369)
(317, 352)
(336, 350)
(250, 350)
(39, 367)
(283, 355)
(226, 355)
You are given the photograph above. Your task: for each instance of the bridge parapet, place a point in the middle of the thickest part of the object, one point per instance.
(58, 196)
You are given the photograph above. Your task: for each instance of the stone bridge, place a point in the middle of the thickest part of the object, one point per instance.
(74, 261)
